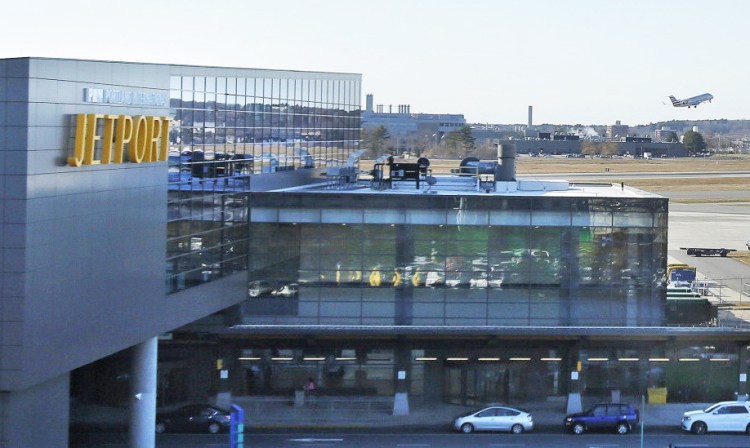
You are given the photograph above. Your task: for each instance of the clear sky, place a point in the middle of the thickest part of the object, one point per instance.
(575, 61)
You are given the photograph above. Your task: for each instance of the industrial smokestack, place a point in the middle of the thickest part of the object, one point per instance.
(530, 115)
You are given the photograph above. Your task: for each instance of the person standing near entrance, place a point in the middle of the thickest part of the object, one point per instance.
(310, 387)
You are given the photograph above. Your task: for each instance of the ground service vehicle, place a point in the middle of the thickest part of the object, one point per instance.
(620, 417)
(701, 251)
(723, 416)
(494, 418)
(680, 275)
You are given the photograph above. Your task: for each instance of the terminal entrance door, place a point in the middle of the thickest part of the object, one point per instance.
(478, 384)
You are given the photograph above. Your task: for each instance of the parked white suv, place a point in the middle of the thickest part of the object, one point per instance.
(724, 416)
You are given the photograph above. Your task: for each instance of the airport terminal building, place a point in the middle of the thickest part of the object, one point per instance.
(110, 238)
(477, 288)
(215, 225)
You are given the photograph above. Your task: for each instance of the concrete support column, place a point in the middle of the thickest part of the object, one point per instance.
(403, 374)
(742, 363)
(143, 395)
(224, 394)
(574, 389)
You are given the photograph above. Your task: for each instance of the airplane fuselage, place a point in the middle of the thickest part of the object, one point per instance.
(693, 101)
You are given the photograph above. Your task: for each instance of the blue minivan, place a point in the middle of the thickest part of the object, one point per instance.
(619, 417)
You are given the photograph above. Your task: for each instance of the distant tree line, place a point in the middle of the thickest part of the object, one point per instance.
(461, 143)
(455, 144)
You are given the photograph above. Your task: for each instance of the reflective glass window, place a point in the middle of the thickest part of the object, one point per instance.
(218, 119)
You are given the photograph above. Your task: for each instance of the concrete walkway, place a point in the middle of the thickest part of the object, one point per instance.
(276, 413)
(353, 412)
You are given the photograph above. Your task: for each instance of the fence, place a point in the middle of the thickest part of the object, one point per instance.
(732, 296)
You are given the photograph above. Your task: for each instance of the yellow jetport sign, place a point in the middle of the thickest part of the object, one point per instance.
(145, 138)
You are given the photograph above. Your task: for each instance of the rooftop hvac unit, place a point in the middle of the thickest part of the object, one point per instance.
(386, 170)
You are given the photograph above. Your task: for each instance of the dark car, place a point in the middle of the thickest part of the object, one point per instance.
(618, 417)
(194, 418)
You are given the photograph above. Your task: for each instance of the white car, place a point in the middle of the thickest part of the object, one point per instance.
(494, 418)
(725, 416)
(290, 290)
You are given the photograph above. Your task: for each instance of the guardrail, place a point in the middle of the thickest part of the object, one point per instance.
(732, 290)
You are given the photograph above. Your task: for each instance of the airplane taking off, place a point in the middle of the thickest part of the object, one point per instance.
(693, 101)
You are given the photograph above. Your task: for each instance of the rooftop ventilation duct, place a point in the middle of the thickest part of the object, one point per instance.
(505, 171)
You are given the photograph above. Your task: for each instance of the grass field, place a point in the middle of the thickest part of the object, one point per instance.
(549, 165)
(655, 184)
(533, 165)
(612, 167)
(539, 165)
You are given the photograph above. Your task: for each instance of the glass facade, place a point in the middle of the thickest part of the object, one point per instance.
(380, 259)
(473, 372)
(226, 130)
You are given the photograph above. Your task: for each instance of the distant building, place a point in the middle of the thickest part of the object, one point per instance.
(638, 139)
(404, 126)
(617, 130)
(565, 137)
(662, 135)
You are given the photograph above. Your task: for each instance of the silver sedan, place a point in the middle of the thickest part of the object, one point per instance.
(494, 418)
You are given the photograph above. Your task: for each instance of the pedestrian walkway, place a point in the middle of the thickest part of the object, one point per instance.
(376, 413)
(358, 412)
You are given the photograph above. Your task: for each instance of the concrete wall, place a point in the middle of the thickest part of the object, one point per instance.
(83, 246)
(13, 116)
(82, 249)
(37, 416)
(13, 138)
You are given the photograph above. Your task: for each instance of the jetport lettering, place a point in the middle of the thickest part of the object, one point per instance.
(146, 139)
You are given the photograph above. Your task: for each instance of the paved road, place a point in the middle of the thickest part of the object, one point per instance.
(493, 440)
(441, 439)
(713, 226)
(708, 225)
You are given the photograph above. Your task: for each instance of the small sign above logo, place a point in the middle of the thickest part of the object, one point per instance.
(115, 96)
